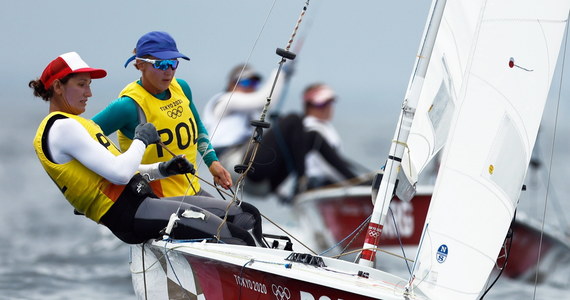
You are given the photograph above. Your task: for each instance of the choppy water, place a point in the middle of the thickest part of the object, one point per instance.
(49, 253)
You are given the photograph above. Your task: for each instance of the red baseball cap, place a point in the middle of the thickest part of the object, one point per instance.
(65, 64)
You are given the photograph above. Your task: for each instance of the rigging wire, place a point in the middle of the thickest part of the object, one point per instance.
(375, 249)
(184, 291)
(556, 115)
(292, 236)
(356, 232)
(259, 125)
(144, 272)
(190, 185)
(360, 228)
(158, 261)
(354, 235)
(297, 49)
(244, 66)
(200, 178)
(400, 240)
(562, 220)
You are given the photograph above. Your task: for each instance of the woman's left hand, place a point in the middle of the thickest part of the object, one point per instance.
(221, 176)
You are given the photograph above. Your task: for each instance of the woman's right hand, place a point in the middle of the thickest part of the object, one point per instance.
(146, 132)
(176, 165)
(221, 176)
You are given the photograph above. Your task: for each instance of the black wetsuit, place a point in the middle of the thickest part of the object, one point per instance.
(138, 215)
(283, 150)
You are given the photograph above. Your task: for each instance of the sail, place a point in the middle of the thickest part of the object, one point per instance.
(439, 95)
(503, 90)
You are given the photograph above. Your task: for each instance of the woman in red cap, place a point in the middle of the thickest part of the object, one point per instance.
(98, 180)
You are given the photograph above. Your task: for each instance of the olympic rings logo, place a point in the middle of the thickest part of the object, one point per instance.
(175, 113)
(281, 293)
(374, 233)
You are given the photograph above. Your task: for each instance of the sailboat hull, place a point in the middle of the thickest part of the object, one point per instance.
(163, 270)
(333, 214)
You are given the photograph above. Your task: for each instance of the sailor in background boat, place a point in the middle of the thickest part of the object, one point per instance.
(318, 104)
(227, 114)
(99, 181)
(284, 146)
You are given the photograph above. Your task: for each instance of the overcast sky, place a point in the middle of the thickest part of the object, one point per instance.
(364, 49)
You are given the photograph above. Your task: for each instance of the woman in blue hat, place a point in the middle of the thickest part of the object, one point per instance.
(107, 186)
(160, 98)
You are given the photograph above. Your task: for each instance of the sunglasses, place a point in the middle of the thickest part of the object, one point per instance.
(323, 104)
(249, 82)
(163, 64)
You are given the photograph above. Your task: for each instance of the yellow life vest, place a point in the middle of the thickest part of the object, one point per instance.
(177, 128)
(87, 191)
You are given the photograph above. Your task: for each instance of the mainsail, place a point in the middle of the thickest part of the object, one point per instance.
(506, 74)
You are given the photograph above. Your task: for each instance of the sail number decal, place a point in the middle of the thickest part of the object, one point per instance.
(441, 255)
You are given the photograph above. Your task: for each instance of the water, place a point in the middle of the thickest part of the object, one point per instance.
(50, 253)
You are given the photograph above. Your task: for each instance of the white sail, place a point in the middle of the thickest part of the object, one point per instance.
(503, 92)
(443, 80)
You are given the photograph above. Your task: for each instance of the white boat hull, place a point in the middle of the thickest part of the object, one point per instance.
(219, 271)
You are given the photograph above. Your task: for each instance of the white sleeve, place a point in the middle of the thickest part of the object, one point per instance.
(68, 140)
(150, 172)
(240, 101)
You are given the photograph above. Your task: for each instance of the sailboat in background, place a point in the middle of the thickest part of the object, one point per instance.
(492, 113)
(333, 219)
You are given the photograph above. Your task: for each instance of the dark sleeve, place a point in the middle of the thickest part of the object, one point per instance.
(204, 146)
(121, 114)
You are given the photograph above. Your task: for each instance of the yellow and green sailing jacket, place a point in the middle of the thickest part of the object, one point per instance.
(88, 192)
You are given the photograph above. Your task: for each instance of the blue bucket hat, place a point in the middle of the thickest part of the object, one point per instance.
(158, 44)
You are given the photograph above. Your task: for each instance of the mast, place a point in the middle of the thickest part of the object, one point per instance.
(387, 185)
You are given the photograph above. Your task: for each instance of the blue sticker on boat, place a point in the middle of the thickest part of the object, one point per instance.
(441, 254)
